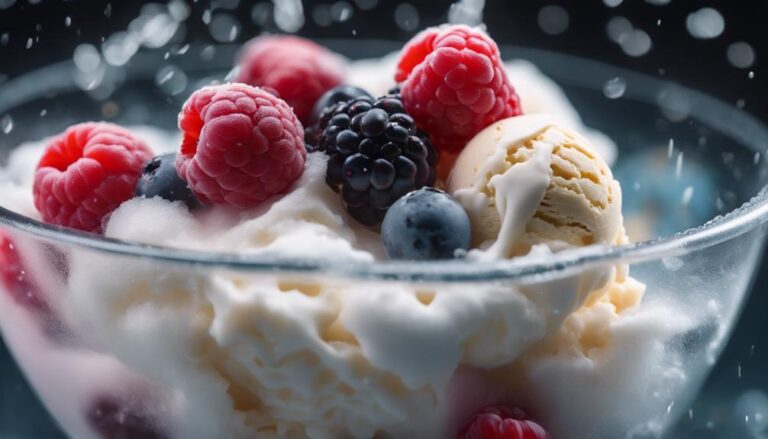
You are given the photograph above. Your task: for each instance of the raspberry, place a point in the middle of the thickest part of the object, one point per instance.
(20, 285)
(86, 173)
(377, 155)
(241, 145)
(454, 84)
(502, 422)
(16, 280)
(294, 69)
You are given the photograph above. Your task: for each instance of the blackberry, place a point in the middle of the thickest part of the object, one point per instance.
(377, 155)
(324, 107)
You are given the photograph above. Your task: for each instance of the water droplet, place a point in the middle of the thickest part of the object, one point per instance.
(618, 28)
(43, 112)
(260, 13)
(208, 53)
(675, 104)
(29, 43)
(5, 4)
(154, 30)
(407, 17)
(6, 124)
(4, 39)
(224, 28)
(179, 10)
(289, 15)
(741, 55)
(469, 12)
(670, 406)
(752, 406)
(670, 148)
(108, 10)
(637, 43)
(86, 57)
(615, 88)
(751, 74)
(178, 51)
(612, 3)
(171, 80)
(685, 200)
(756, 158)
(672, 263)
(679, 166)
(706, 23)
(554, 20)
(207, 17)
(366, 4)
(119, 48)
(341, 11)
(321, 14)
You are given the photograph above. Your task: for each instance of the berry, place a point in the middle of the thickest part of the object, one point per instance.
(21, 286)
(112, 418)
(502, 423)
(17, 280)
(377, 155)
(241, 145)
(454, 84)
(325, 108)
(342, 93)
(426, 224)
(86, 173)
(295, 69)
(160, 179)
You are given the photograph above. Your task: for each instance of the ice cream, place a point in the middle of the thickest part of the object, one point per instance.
(526, 181)
(279, 354)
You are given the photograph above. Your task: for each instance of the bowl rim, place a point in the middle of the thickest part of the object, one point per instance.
(733, 122)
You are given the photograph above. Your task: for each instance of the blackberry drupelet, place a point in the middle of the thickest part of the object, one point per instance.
(324, 108)
(377, 155)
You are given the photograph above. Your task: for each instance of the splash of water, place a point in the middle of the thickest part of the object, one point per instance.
(468, 12)
(289, 15)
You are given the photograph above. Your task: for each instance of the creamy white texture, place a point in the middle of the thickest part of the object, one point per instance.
(518, 190)
(294, 356)
(525, 181)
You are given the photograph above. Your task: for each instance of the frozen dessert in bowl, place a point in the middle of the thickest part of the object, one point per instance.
(432, 247)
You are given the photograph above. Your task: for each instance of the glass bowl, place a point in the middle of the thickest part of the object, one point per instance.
(121, 339)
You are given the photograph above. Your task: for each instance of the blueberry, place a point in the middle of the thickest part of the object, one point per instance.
(426, 224)
(334, 96)
(160, 179)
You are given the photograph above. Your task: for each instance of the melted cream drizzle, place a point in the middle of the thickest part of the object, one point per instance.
(518, 190)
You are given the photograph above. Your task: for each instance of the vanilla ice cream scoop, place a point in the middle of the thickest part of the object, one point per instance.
(527, 181)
